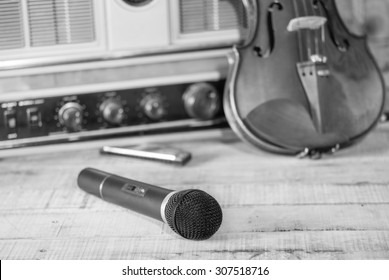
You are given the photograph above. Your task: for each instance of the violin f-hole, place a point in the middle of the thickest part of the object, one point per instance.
(259, 51)
(342, 44)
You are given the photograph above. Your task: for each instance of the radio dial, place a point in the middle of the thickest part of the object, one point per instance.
(112, 111)
(202, 101)
(70, 116)
(154, 107)
(137, 2)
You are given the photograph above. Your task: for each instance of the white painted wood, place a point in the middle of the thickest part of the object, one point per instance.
(274, 207)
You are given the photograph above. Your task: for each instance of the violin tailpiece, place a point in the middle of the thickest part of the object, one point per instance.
(310, 73)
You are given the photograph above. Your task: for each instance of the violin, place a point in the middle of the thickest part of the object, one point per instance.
(301, 83)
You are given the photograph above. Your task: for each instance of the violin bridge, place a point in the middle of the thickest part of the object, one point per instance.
(310, 74)
(308, 22)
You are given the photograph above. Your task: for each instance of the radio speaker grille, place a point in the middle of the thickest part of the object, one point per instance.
(11, 25)
(38, 23)
(210, 15)
(57, 22)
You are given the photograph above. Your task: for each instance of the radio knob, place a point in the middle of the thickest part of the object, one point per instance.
(202, 101)
(112, 111)
(71, 115)
(154, 107)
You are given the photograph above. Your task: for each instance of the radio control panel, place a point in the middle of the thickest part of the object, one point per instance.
(97, 114)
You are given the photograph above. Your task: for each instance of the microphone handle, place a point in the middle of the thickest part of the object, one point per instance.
(137, 196)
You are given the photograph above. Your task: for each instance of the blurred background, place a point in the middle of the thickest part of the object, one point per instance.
(370, 18)
(79, 67)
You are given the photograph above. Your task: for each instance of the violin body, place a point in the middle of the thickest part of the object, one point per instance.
(301, 81)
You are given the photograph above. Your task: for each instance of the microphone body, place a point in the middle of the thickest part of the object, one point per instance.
(137, 196)
(193, 214)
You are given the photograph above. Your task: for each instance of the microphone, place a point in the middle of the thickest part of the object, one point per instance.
(193, 214)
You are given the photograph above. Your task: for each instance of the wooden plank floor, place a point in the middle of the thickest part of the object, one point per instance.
(274, 207)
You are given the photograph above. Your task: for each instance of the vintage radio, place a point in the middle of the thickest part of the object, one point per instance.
(83, 69)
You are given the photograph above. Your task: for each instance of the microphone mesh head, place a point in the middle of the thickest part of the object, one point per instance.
(193, 214)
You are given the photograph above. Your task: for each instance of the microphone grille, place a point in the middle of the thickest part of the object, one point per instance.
(193, 214)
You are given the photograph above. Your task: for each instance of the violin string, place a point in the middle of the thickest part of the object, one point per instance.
(316, 34)
(323, 31)
(307, 32)
(299, 35)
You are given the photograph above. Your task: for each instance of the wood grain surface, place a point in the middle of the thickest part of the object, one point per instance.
(274, 207)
